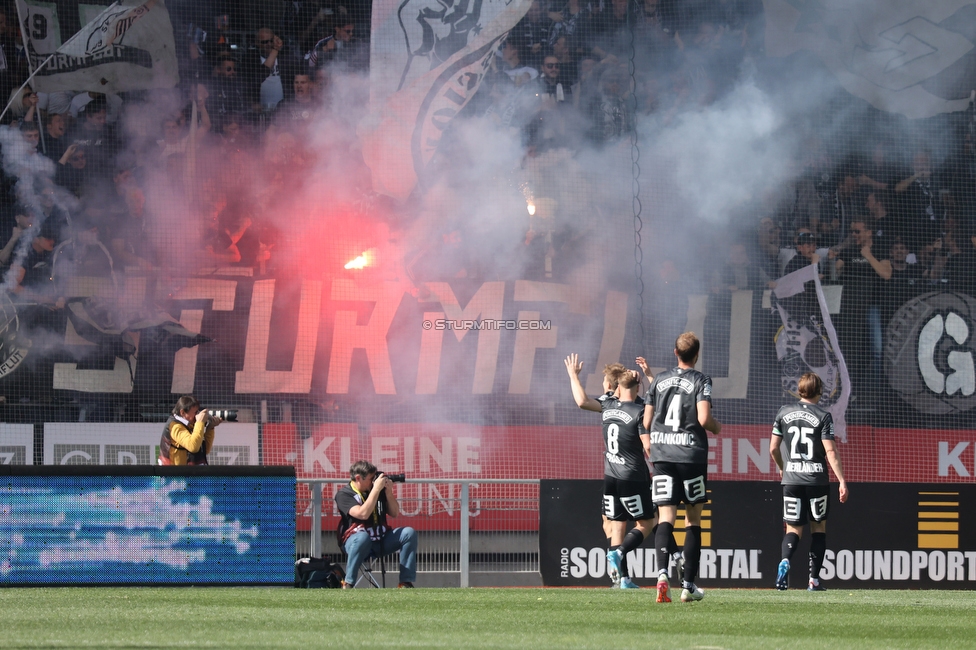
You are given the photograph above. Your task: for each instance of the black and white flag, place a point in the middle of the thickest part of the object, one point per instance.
(126, 46)
(807, 342)
(427, 60)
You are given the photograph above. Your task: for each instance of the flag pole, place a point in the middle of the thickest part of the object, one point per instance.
(17, 94)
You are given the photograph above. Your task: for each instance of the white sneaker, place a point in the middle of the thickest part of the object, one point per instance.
(688, 595)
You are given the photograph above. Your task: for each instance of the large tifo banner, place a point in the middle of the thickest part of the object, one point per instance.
(128, 45)
(902, 56)
(929, 538)
(344, 340)
(427, 61)
(145, 525)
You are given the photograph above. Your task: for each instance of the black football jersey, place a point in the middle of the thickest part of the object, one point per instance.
(676, 434)
(624, 452)
(804, 427)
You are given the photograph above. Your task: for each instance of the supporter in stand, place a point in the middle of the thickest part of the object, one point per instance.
(960, 268)
(512, 65)
(531, 34)
(55, 142)
(32, 275)
(20, 224)
(738, 273)
(176, 136)
(864, 267)
(339, 47)
(73, 171)
(570, 20)
(23, 106)
(767, 244)
(878, 173)
(92, 134)
(905, 283)
(882, 220)
(14, 71)
(300, 111)
(228, 93)
(32, 135)
(270, 68)
(568, 64)
(918, 195)
(807, 433)
(841, 205)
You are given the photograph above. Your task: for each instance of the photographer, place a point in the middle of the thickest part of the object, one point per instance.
(188, 435)
(364, 505)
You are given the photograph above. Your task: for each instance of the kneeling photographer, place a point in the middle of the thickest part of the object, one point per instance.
(188, 435)
(364, 505)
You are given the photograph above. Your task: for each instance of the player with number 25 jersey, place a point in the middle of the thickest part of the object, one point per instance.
(803, 427)
(806, 433)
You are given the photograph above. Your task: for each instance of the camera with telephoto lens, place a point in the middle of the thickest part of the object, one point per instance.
(227, 415)
(394, 478)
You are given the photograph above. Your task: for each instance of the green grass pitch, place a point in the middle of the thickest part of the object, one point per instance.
(481, 618)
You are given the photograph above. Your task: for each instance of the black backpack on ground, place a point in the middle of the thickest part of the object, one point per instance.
(318, 573)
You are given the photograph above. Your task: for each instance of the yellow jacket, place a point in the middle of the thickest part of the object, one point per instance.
(185, 447)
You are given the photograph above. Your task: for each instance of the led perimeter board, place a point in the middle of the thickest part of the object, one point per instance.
(147, 525)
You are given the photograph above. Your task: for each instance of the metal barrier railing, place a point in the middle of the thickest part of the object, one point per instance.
(464, 511)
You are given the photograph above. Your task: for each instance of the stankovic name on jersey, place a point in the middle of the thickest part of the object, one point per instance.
(660, 438)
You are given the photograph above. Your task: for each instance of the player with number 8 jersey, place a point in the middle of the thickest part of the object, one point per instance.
(626, 481)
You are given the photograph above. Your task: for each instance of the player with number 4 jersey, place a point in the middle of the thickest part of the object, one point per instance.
(806, 433)
(677, 414)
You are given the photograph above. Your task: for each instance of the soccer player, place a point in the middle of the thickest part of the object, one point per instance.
(807, 431)
(677, 413)
(626, 483)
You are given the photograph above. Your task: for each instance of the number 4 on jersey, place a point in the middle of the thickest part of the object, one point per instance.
(673, 416)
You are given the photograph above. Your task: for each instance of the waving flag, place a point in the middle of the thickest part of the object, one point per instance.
(127, 46)
(807, 342)
(427, 61)
(902, 56)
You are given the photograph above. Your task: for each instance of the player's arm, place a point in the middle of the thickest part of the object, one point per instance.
(706, 419)
(645, 439)
(648, 416)
(573, 367)
(833, 458)
(704, 406)
(642, 364)
(774, 448)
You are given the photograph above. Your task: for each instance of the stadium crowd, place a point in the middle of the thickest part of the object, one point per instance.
(885, 220)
